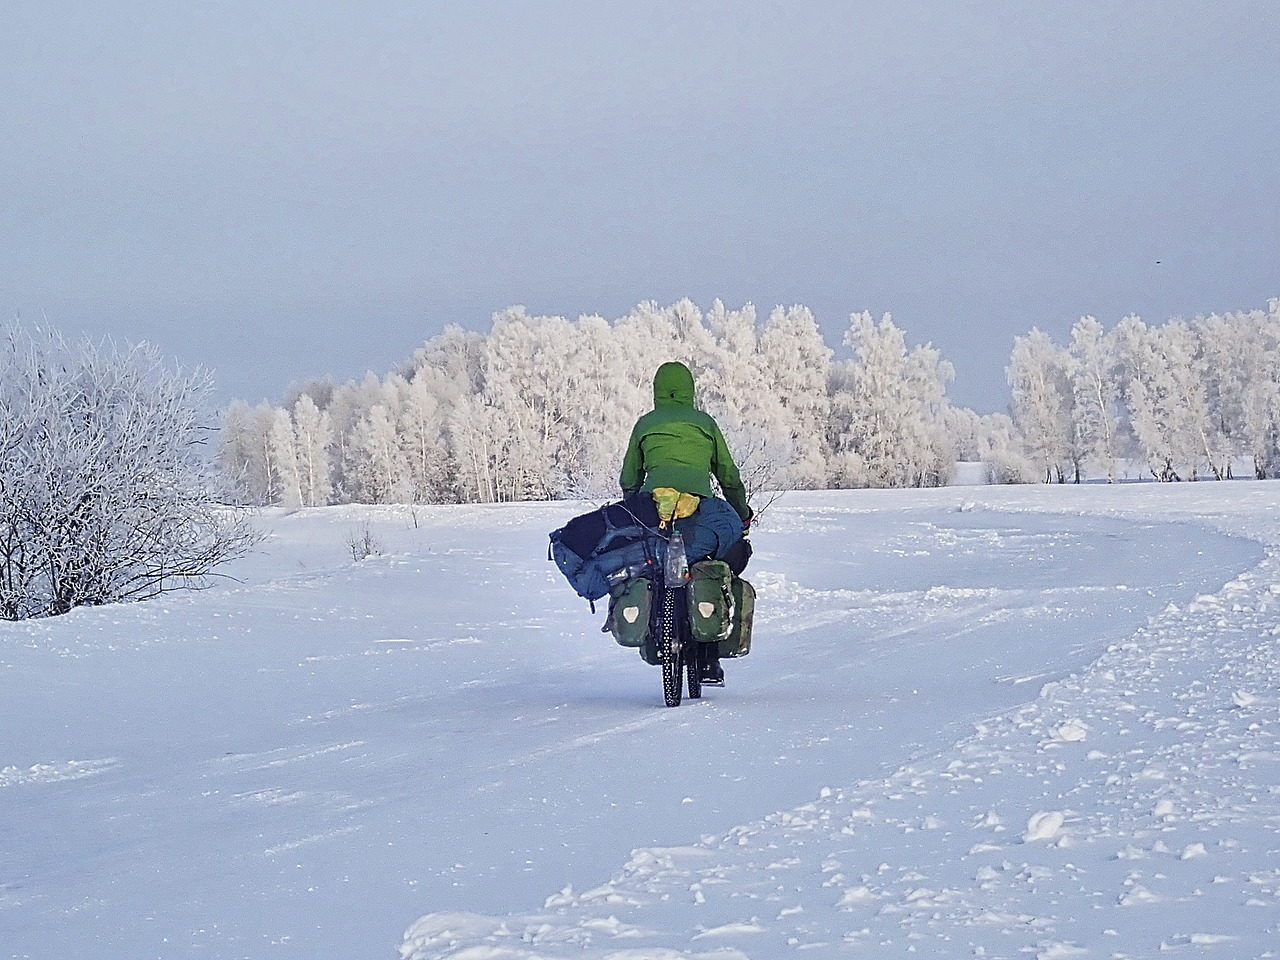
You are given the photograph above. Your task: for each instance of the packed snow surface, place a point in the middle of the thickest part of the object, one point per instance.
(1034, 722)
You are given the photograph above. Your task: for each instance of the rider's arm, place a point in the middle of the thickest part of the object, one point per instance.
(726, 474)
(632, 476)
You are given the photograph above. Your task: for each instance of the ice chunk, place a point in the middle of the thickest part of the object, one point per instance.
(1044, 825)
(1072, 731)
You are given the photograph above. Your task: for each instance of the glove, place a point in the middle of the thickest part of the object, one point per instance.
(746, 524)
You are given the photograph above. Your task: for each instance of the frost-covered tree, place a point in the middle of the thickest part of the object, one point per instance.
(1195, 443)
(734, 387)
(795, 361)
(378, 469)
(541, 406)
(991, 440)
(457, 357)
(516, 432)
(422, 438)
(964, 426)
(888, 427)
(320, 390)
(1002, 452)
(312, 437)
(1150, 394)
(1189, 399)
(345, 411)
(266, 466)
(1232, 351)
(104, 493)
(450, 368)
(602, 409)
(1260, 392)
(648, 337)
(251, 458)
(238, 443)
(472, 435)
(284, 454)
(526, 384)
(1095, 390)
(1165, 395)
(349, 414)
(1039, 374)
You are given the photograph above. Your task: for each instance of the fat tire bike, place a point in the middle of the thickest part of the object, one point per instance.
(681, 657)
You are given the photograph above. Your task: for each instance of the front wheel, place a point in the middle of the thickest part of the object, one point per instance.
(670, 647)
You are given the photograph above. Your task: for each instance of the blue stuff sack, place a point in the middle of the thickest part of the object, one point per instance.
(619, 541)
(591, 578)
(621, 553)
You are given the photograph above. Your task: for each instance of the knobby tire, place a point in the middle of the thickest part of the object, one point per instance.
(693, 668)
(669, 647)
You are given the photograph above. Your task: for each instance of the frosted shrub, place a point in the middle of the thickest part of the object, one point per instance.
(103, 494)
(363, 544)
(1009, 466)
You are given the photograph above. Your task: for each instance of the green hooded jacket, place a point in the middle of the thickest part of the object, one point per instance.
(675, 445)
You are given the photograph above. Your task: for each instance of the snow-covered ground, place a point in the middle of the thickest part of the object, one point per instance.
(977, 722)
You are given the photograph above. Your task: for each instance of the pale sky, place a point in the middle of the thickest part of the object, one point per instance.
(281, 190)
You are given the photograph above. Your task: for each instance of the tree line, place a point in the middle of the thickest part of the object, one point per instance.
(1187, 400)
(540, 407)
(105, 494)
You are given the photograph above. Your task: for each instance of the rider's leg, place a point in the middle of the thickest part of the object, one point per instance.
(712, 672)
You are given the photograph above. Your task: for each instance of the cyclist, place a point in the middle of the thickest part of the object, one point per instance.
(675, 449)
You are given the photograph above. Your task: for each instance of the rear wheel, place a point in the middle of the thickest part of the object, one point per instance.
(669, 647)
(693, 668)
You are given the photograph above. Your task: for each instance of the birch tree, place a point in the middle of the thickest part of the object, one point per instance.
(606, 403)
(734, 388)
(1096, 392)
(1039, 378)
(475, 449)
(1260, 400)
(284, 455)
(1194, 442)
(1149, 394)
(312, 437)
(380, 472)
(796, 361)
(888, 428)
(237, 443)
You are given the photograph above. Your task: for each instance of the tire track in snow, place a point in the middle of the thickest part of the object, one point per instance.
(1065, 827)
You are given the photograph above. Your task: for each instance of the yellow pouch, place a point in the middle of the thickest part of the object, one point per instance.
(674, 505)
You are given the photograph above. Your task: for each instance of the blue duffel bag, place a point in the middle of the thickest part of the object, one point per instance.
(621, 540)
(623, 552)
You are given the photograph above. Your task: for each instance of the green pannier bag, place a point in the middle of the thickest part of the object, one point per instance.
(629, 611)
(710, 601)
(738, 643)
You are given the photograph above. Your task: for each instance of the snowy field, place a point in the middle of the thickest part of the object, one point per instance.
(1022, 722)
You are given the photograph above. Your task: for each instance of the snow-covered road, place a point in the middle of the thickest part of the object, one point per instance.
(301, 765)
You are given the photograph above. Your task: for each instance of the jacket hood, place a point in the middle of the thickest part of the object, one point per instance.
(673, 384)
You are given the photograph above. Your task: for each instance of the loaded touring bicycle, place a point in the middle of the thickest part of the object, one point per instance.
(668, 595)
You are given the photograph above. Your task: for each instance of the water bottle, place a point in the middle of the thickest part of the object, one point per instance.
(676, 570)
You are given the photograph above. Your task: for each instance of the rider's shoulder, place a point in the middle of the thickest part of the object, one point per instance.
(667, 415)
(707, 422)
